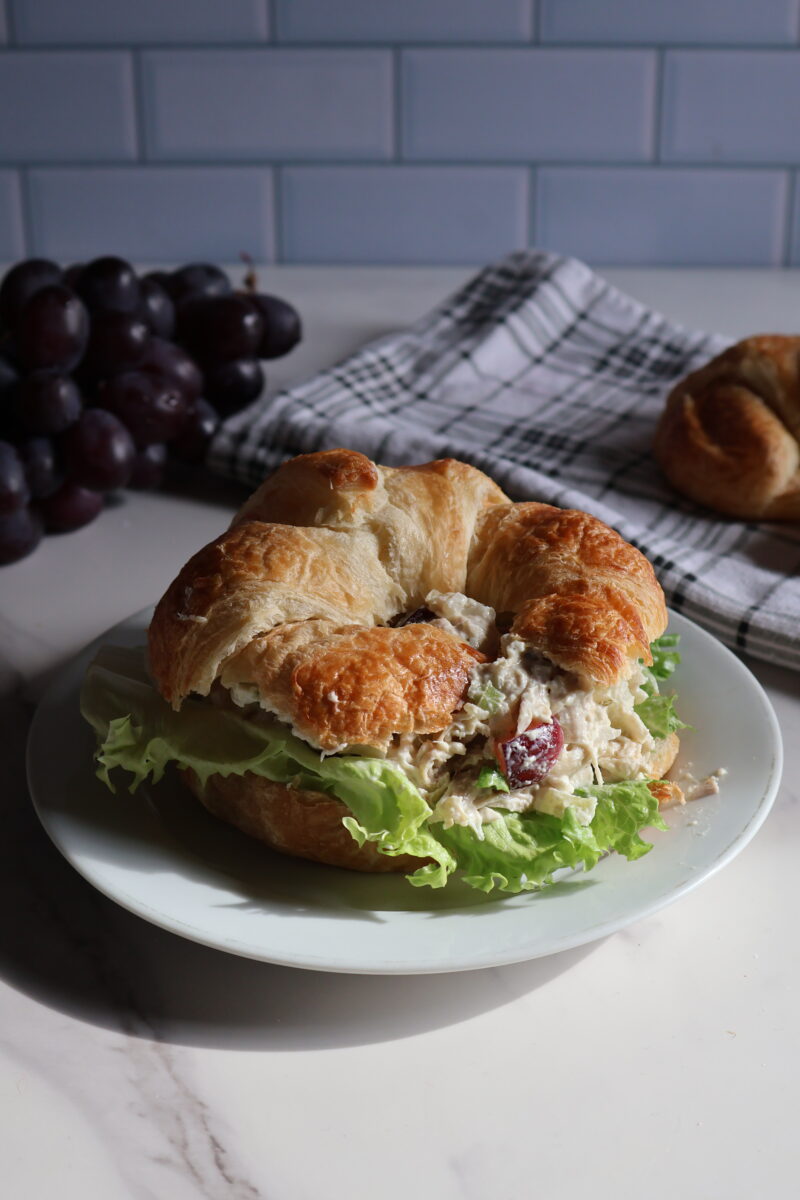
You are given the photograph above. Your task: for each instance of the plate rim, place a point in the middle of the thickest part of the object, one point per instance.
(303, 959)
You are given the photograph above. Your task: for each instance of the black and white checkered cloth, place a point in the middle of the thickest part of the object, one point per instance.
(550, 380)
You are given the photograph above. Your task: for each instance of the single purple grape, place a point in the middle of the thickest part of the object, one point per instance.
(20, 534)
(98, 451)
(198, 279)
(51, 330)
(151, 406)
(42, 469)
(201, 424)
(118, 342)
(109, 284)
(156, 309)
(22, 281)
(170, 361)
(282, 325)
(217, 329)
(47, 403)
(70, 507)
(231, 385)
(14, 492)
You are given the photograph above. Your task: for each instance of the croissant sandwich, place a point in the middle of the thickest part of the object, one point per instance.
(399, 669)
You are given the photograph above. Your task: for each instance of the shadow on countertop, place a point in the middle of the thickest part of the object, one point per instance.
(71, 949)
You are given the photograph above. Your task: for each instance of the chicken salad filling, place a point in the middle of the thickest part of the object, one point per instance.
(529, 736)
(470, 778)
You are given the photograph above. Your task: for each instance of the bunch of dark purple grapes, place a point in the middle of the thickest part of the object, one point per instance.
(105, 376)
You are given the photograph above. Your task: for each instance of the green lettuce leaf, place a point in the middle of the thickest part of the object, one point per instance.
(623, 810)
(518, 852)
(657, 711)
(658, 714)
(665, 657)
(387, 809)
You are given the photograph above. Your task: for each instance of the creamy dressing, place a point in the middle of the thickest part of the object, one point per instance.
(465, 619)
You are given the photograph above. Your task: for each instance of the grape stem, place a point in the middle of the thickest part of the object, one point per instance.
(250, 281)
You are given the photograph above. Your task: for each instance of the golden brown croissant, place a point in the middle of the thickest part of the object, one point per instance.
(332, 537)
(729, 436)
(352, 685)
(298, 607)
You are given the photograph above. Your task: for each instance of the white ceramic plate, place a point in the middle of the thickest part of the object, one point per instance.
(159, 854)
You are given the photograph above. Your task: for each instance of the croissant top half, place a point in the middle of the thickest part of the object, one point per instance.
(298, 591)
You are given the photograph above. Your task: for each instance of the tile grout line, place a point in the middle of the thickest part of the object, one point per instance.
(277, 213)
(26, 211)
(788, 46)
(737, 166)
(658, 106)
(788, 230)
(536, 22)
(397, 104)
(139, 113)
(11, 23)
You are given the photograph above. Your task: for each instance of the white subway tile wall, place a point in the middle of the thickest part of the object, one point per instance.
(416, 214)
(124, 22)
(63, 105)
(676, 215)
(404, 20)
(401, 131)
(731, 106)
(528, 105)
(152, 213)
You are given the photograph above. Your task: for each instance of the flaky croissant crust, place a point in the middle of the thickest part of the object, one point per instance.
(332, 545)
(729, 436)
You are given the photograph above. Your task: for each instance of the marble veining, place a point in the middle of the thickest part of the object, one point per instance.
(137, 1090)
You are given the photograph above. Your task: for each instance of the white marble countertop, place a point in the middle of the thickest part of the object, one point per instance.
(660, 1062)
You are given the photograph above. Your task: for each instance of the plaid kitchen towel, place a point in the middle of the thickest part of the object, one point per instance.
(550, 380)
